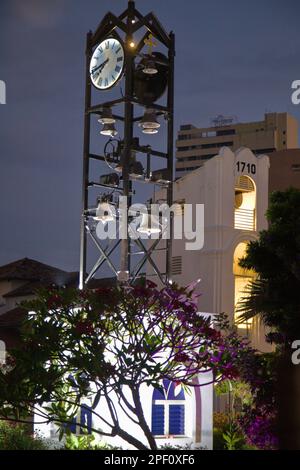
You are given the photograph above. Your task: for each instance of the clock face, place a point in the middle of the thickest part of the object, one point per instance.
(107, 64)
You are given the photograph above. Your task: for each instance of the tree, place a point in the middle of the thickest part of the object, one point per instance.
(275, 256)
(259, 417)
(99, 344)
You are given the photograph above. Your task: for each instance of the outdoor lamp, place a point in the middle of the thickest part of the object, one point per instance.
(149, 130)
(136, 169)
(149, 225)
(106, 116)
(160, 176)
(112, 179)
(150, 67)
(104, 212)
(109, 129)
(149, 121)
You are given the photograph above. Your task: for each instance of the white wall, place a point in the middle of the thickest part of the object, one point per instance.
(198, 418)
(213, 185)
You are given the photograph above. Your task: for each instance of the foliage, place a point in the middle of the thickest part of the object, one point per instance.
(94, 345)
(183, 447)
(229, 437)
(220, 420)
(232, 438)
(240, 393)
(275, 295)
(256, 423)
(17, 437)
(218, 440)
(86, 442)
(259, 418)
(260, 427)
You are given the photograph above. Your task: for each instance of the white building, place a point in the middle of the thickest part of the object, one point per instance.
(175, 417)
(234, 190)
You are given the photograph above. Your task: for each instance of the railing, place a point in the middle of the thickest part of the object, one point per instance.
(244, 219)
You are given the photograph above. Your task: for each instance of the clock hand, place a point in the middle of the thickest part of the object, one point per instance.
(101, 66)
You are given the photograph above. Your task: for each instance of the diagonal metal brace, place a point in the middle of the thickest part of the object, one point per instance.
(102, 251)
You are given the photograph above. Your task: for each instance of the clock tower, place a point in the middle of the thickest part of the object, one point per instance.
(128, 144)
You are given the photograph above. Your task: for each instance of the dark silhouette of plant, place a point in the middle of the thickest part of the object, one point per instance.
(275, 256)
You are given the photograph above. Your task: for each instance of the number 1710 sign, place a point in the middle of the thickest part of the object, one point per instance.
(244, 167)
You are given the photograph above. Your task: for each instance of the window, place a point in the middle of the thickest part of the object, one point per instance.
(82, 423)
(208, 156)
(217, 145)
(168, 410)
(245, 204)
(242, 277)
(193, 158)
(226, 132)
(209, 134)
(190, 147)
(263, 151)
(190, 168)
(183, 149)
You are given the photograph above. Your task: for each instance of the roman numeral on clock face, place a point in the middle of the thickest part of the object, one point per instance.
(106, 64)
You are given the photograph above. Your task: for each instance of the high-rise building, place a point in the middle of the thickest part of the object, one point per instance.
(277, 132)
(284, 170)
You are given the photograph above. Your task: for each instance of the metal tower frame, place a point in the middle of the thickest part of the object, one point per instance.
(130, 22)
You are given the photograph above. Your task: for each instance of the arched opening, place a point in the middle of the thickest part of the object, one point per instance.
(168, 410)
(242, 277)
(245, 204)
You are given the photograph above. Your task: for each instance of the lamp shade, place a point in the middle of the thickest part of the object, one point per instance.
(149, 120)
(150, 130)
(106, 116)
(149, 225)
(109, 129)
(104, 212)
(150, 67)
(136, 169)
(112, 179)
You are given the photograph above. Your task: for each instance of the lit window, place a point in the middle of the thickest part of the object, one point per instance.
(168, 410)
(245, 204)
(242, 278)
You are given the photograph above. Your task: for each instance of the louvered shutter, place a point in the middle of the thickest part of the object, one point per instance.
(176, 419)
(158, 420)
(85, 419)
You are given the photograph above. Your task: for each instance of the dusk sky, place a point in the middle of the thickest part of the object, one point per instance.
(232, 57)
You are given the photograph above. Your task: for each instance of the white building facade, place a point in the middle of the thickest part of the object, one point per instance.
(234, 190)
(175, 417)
